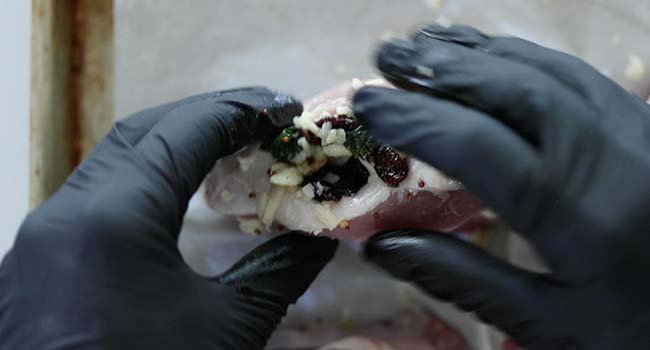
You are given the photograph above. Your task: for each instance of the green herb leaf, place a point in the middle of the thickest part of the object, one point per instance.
(360, 143)
(285, 146)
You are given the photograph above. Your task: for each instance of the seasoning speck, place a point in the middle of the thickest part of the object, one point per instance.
(258, 231)
(252, 195)
(375, 215)
(281, 227)
(420, 184)
(409, 196)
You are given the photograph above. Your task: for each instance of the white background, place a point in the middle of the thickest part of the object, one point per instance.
(14, 129)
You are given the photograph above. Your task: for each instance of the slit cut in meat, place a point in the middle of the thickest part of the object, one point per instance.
(326, 175)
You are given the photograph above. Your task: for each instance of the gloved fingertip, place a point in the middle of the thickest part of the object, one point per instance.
(394, 252)
(286, 107)
(305, 248)
(285, 265)
(386, 241)
(394, 56)
(460, 34)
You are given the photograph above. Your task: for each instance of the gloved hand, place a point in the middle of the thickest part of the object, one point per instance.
(97, 266)
(558, 150)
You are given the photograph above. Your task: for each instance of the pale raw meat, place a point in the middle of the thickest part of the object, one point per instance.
(408, 330)
(424, 199)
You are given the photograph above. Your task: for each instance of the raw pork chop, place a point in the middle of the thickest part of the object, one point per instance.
(326, 175)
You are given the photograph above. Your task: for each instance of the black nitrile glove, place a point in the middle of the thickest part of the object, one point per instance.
(558, 150)
(97, 266)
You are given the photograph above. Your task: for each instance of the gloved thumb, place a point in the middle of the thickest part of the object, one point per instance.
(452, 270)
(261, 286)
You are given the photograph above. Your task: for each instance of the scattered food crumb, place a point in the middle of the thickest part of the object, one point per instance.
(433, 5)
(635, 70)
(345, 224)
(387, 35)
(444, 21)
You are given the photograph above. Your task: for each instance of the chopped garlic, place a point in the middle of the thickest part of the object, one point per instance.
(324, 132)
(308, 191)
(344, 110)
(278, 166)
(262, 201)
(635, 68)
(287, 177)
(227, 195)
(326, 217)
(319, 188)
(324, 114)
(273, 204)
(302, 142)
(305, 152)
(305, 122)
(251, 226)
(336, 150)
(335, 136)
(305, 168)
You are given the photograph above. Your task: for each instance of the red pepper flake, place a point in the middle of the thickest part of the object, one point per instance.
(258, 231)
(409, 196)
(421, 184)
(252, 195)
(375, 215)
(281, 227)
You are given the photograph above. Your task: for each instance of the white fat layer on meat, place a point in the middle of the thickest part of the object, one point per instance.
(298, 213)
(241, 174)
(246, 172)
